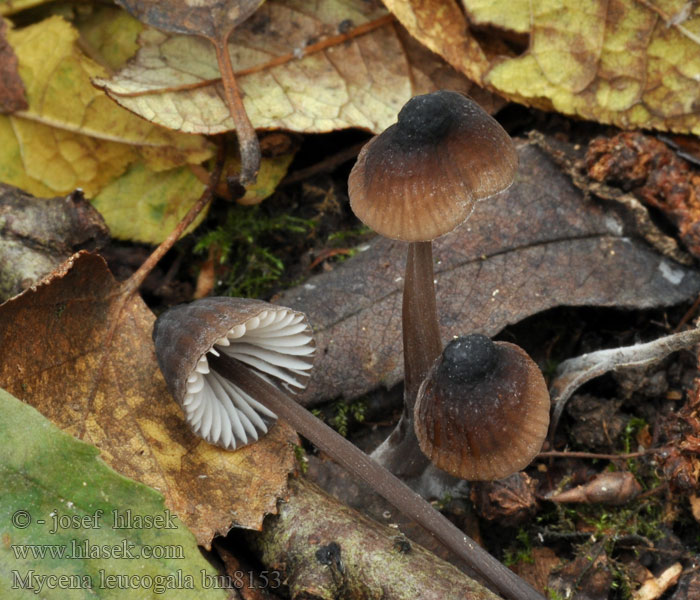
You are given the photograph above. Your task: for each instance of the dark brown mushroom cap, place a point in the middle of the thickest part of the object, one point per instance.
(421, 177)
(274, 341)
(483, 410)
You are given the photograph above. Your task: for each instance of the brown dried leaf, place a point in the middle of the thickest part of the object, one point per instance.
(510, 501)
(537, 572)
(79, 350)
(38, 234)
(655, 174)
(541, 246)
(211, 18)
(346, 64)
(443, 28)
(12, 95)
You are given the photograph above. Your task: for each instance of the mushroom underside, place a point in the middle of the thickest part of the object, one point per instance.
(278, 347)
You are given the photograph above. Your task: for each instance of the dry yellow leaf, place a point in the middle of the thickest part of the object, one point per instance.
(8, 7)
(109, 34)
(631, 63)
(488, 12)
(344, 64)
(145, 206)
(72, 135)
(621, 64)
(441, 26)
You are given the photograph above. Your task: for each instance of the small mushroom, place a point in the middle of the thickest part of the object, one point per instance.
(483, 411)
(275, 342)
(197, 353)
(416, 181)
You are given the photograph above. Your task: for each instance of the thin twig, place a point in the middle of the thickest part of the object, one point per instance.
(594, 455)
(326, 165)
(137, 278)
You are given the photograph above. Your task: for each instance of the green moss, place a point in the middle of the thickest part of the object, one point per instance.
(553, 594)
(302, 461)
(343, 414)
(520, 550)
(250, 247)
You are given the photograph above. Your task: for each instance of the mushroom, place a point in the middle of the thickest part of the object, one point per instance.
(418, 180)
(482, 412)
(195, 347)
(276, 342)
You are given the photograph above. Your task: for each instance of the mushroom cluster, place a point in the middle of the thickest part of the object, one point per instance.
(190, 348)
(416, 181)
(229, 362)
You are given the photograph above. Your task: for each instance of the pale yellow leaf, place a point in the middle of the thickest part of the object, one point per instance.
(615, 61)
(110, 34)
(72, 135)
(630, 63)
(296, 67)
(8, 7)
(145, 206)
(488, 12)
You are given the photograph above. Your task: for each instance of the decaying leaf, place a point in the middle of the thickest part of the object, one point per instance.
(8, 7)
(541, 246)
(606, 488)
(38, 234)
(49, 479)
(72, 135)
(442, 27)
(342, 65)
(537, 569)
(108, 35)
(510, 501)
(630, 63)
(272, 171)
(213, 20)
(655, 174)
(588, 576)
(12, 97)
(655, 587)
(89, 366)
(573, 373)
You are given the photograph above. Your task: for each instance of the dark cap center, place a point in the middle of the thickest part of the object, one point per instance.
(425, 119)
(468, 359)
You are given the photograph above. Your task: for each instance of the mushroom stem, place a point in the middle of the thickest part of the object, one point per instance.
(421, 335)
(382, 481)
(400, 452)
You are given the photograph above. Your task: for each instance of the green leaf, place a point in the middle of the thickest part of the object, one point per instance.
(145, 206)
(59, 499)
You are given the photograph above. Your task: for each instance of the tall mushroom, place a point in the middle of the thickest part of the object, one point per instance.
(416, 181)
(195, 351)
